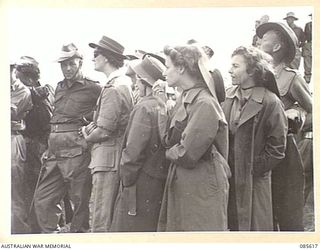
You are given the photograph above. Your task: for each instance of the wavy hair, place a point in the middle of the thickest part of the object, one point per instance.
(186, 56)
(258, 62)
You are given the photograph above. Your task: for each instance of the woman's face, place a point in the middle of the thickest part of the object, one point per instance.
(141, 87)
(171, 73)
(238, 70)
(99, 61)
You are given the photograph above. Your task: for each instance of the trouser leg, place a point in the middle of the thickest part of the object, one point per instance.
(79, 193)
(105, 190)
(48, 194)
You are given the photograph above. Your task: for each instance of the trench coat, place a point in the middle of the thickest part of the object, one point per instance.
(142, 170)
(196, 192)
(256, 147)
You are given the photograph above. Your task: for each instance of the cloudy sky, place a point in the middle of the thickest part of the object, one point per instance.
(40, 32)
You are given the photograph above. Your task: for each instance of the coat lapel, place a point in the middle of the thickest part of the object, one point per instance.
(253, 106)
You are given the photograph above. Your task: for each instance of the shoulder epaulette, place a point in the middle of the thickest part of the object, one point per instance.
(291, 70)
(90, 80)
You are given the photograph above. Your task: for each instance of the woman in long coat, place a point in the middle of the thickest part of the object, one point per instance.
(142, 171)
(258, 127)
(196, 192)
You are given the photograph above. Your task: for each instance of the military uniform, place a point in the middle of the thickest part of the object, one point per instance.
(65, 167)
(295, 64)
(113, 110)
(21, 103)
(307, 52)
(142, 170)
(288, 177)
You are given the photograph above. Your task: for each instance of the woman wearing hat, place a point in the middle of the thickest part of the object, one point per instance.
(196, 192)
(107, 129)
(142, 171)
(257, 133)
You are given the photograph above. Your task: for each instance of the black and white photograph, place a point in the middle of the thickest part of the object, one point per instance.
(158, 121)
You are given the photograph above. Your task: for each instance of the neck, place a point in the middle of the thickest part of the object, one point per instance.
(108, 70)
(249, 84)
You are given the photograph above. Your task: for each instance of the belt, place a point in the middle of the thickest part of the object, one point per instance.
(308, 135)
(64, 127)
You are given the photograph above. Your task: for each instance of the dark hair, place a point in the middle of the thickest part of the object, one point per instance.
(186, 56)
(114, 59)
(29, 71)
(283, 42)
(258, 62)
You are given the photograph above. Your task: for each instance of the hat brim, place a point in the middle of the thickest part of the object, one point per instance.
(270, 83)
(94, 46)
(64, 56)
(295, 18)
(218, 85)
(263, 28)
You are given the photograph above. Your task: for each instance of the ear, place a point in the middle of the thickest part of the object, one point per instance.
(276, 47)
(181, 69)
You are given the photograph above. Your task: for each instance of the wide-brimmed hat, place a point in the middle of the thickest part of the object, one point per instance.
(270, 83)
(110, 45)
(69, 51)
(291, 38)
(212, 77)
(290, 14)
(26, 61)
(131, 64)
(149, 69)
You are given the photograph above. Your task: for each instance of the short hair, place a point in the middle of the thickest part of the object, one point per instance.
(186, 56)
(257, 61)
(28, 70)
(283, 40)
(114, 59)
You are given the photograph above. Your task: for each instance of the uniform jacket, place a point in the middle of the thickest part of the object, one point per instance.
(112, 114)
(142, 170)
(196, 192)
(257, 146)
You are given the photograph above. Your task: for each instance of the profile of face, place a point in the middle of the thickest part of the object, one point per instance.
(13, 77)
(71, 67)
(141, 87)
(99, 61)
(172, 73)
(268, 43)
(238, 70)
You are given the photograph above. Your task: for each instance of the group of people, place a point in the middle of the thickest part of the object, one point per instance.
(304, 46)
(162, 146)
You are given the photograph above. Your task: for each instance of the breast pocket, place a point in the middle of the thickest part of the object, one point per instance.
(105, 156)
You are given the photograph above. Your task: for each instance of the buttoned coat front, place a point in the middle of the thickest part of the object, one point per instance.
(256, 147)
(196, 191)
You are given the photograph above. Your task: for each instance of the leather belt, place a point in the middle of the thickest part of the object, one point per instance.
(308, 135)
(64, 127)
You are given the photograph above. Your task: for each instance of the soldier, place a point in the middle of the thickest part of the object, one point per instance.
(307, 51)
(290, 18)
(37, 120)
(142, 170)
(67, 158)
(107, 129)
(279, 41)
(21, 104)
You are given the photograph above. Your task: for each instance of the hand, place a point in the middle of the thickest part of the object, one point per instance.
(90, 127)
(293, 114)
(159, 87)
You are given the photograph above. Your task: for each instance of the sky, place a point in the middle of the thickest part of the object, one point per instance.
(40, 32)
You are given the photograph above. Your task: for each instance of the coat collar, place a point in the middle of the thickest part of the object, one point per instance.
(190, 94)
(253, 106)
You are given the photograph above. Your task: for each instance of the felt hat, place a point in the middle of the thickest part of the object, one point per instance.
(291, 38)
(69, 51)
(109, 45)
(149, 69)
(290, 14)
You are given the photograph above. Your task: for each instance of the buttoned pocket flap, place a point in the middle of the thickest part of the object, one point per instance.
(69, 152)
